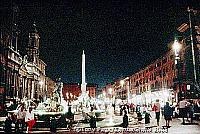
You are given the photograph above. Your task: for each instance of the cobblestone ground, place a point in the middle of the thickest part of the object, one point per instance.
(134, 128)
(176, 126)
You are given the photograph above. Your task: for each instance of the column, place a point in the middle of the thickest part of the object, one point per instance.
(28, 88)
(25, 87)
(32, 89)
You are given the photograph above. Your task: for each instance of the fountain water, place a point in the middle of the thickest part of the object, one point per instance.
(57, 105)
(54, 105)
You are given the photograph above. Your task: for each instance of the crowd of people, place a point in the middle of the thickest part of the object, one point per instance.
(184, 109)
(187, 108)
(20, 118)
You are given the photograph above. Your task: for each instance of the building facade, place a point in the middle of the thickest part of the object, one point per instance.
(172, 77)
(21, 76)
(154, 81)
(50, 86)
(72, 91)
(189, 34)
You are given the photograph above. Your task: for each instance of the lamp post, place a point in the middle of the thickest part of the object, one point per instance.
(122, 83)
(110, 94)
(122, 86)
(177, 47)
(192, 46)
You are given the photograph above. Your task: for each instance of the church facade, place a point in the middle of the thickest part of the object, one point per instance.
(21, 76)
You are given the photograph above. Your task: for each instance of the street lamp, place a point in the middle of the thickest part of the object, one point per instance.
(122, 86)
(110, 94)
(192, 46)
(110, 90)
(177, 47)
(122, 83)
(104, 94)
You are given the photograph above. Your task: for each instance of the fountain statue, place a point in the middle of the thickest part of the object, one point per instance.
(56, 103)
(84, 100)
(58, 90)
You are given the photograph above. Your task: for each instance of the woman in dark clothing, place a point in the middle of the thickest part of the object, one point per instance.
(196, 110)
(125, 120)
(70, 117)
(92, 118)
(168, 113)
(147, 117)
(8, 124)
(191, 110)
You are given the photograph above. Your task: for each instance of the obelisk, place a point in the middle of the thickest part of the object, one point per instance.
(83, 84)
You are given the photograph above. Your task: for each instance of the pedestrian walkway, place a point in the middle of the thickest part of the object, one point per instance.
(176, 127)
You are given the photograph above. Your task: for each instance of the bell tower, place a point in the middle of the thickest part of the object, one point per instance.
(33, 45)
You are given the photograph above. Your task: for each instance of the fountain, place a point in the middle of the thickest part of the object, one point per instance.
(56, 105)
(85, 102)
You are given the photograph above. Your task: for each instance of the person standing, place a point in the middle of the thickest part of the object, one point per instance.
(21, 113)
(156, 108)
(29, 119)
(167, 113)
(147, 117)
(191, 110)
(70, 117)
(182, 109)
(121, 111)
(131, 107)
(125, 120)
(92, 118)
(8, 124)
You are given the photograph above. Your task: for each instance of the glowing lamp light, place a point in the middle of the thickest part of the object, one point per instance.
(166, 93)
(104, 93)
(122, 82)
(176, 46)
(110, 90)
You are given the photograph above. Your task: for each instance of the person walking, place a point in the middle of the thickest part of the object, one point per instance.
(167, 113)
(156, 108)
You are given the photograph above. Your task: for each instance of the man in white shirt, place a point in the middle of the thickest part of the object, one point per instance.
(182, 109)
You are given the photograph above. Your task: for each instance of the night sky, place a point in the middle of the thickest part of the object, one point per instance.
(119, 37)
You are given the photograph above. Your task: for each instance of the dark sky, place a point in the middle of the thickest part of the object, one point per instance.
(119, 37)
